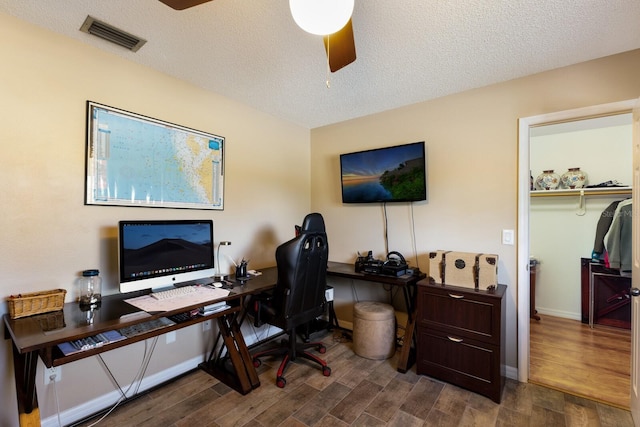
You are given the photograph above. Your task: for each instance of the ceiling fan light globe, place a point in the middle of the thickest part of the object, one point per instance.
(321, 17)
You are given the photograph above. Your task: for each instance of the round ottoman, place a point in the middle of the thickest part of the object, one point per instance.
(374, 330)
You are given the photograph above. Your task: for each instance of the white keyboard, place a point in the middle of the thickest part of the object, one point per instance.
(173, 293)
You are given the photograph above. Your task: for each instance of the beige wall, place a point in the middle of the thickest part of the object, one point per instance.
(472, 146)
(48, 235)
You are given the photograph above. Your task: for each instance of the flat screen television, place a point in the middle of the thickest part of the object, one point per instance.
(160, 254)
(390, 174)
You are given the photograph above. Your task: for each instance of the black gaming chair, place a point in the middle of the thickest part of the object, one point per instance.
(299, 295)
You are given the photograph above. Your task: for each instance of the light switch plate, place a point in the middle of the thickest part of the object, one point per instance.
(508, 237)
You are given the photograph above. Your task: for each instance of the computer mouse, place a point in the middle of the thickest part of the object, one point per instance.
(216, 284)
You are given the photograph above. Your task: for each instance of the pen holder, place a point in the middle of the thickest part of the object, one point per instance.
(241, 270)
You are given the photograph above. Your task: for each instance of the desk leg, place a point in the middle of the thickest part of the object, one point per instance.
(24, 366)
(533, 313)
(246, 361)
(244, 377)
(405, 359)
(591, 301)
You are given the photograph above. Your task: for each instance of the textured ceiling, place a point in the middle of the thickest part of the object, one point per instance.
(408, 50)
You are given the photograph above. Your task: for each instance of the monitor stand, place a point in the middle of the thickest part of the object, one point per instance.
(162, 288)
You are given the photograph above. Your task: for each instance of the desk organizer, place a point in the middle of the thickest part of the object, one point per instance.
(32, 303)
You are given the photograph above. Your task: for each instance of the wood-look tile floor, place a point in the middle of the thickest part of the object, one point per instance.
(359, 392)
(591, 362)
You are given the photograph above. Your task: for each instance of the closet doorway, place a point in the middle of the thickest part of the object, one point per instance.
(563, 300)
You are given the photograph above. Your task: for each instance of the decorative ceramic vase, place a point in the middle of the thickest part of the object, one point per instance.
(574, 178)
(547, 180)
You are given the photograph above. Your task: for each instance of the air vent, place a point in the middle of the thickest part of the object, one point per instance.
(112, 34)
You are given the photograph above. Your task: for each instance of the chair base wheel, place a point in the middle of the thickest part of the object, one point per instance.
(290, 353)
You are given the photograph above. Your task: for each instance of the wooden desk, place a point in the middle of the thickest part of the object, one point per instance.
(409, 290)
(30, 341)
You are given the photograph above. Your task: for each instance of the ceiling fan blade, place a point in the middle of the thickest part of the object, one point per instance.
(183, 4)
(340, 47)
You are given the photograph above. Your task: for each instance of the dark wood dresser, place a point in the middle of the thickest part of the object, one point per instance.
(461, 336)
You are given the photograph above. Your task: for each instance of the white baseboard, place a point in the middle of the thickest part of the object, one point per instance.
(559, 313)
(511, 372)
(346, 325)
(108, 400)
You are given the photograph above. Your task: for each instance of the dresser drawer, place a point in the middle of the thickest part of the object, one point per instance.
(465, 362)
(462, 312)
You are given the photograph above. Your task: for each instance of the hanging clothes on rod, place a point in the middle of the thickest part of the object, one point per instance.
(618, 238)
(602, 228)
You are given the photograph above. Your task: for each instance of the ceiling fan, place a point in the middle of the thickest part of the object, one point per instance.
(339, 46)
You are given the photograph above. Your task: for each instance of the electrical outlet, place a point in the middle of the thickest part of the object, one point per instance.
(206, 325)
(171, 337)
(52, 374)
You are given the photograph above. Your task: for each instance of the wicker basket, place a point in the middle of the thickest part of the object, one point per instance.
(35, 303)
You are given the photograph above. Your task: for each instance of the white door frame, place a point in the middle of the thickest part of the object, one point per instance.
(524, 175)
(635, 273)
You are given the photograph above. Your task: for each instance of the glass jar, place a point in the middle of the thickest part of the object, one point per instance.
(90, 288)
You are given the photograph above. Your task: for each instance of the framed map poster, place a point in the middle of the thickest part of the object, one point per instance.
(133, 160)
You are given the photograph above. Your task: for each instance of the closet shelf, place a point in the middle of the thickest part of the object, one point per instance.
(602, 191)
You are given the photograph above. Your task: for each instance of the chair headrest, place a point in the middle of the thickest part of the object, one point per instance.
(313, 223)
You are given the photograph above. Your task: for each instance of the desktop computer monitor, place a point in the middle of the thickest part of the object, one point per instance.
(160, 254)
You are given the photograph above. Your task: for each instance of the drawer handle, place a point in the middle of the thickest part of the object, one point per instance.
(454, 339)
(456, 296)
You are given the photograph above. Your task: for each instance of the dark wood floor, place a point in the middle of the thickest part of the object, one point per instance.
(591, 362)
(359, 392)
